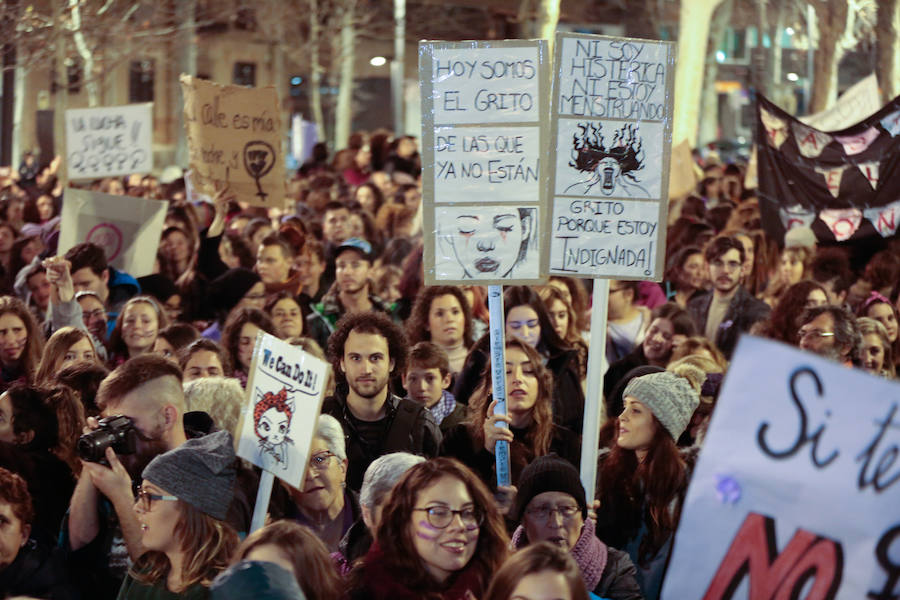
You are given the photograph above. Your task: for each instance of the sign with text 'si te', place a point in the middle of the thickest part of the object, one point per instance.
(234, 138)
(796, 493)
(484, 145)
(611, 132)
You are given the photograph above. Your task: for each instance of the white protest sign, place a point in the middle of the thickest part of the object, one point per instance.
(796, 493)
(108, 141)
(128, 229)
(611, 136)
(484, 141)
(284, 397)
(859, 101)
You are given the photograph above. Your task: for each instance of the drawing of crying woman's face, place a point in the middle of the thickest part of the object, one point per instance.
(488, 246)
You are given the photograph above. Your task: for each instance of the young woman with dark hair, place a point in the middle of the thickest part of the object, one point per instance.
(643, 478)
(21, 344)
(441, 314)
(565, 322)
(685, 275)
(239, 338)
(527, 319)
(440, 536)
(531, 431)
(136, 330)
(782, 324)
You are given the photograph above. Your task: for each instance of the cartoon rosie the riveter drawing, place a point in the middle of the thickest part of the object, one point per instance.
(272, 422)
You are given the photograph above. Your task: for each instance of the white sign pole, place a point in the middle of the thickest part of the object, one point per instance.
(263, 494)
(590, 434)
(498, 376)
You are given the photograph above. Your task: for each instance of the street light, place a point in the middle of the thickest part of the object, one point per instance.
(792, 77)
(378, 61)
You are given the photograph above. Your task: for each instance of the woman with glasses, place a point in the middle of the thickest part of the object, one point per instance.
(323, 503)
(551, 507)
(182, 505)
(440, 536)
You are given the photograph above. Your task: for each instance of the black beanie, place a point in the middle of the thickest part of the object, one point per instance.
(158, 286)
(548, 473)
(226, 290)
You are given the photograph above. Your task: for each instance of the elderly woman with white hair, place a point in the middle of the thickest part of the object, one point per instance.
(220, 397)
(377, 483)
(323, 503)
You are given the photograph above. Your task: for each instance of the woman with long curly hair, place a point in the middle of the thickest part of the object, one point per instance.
(239, 338)
(782, 323)
(441, 314)
(527, 319)
(531, 431)
(21, 343)
(440, 537)
(643, 478)
(182, 505)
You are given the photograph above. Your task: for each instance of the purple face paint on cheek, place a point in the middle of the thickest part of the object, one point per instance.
(429, 527)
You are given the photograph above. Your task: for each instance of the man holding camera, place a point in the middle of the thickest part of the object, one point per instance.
(101, 528)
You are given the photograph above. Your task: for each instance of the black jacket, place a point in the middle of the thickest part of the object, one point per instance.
(38, 572)
(742, 313)
(568, 396)
(409, 428)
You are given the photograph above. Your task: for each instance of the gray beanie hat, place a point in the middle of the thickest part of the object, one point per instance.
(669, 397)
(201, 472)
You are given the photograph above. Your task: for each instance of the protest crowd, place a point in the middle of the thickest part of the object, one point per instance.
(122, 395)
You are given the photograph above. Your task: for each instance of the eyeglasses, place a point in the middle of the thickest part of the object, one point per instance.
(319, 462)
(146, 498)
(544, 512)
(440, 517)
(816, 333)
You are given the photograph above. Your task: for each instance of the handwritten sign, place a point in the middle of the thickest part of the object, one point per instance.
(797, 490)
(234, 136)
(284, 398)
(859, 101)
(109, 141)
(128, 229)
(611, 132)
(485, 160)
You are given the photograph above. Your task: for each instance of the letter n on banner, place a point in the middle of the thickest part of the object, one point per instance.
(772, 575)
(884, 218)
(843, 222)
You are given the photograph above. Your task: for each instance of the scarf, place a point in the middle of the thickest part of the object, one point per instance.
(381, 582)
(589, 552)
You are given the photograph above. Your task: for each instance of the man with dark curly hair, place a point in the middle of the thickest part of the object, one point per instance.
(366, 350)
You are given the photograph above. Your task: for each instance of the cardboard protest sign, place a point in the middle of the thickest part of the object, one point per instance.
(484, 141)
(284, 397)
(109, 140)
(128, 229)
(611, 132)
(859, 101)
(795, 494)
(843, 184)
(234, 136)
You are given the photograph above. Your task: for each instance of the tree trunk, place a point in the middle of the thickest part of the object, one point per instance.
(343, 120)
(775, 80)
(87, 57)
(831, 21)
(61, 99)
(762, 26)
(709, 125)
(315, 60)
(888, 45)
(692, 43)
(186, 56)
(398, 67)
(547, 19)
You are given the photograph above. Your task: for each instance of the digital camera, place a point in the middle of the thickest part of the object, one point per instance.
(116, 432)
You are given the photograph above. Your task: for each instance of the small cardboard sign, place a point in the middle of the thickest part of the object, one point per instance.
(234, 136)
(284, 398)
(128, 229)
(109, 141)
